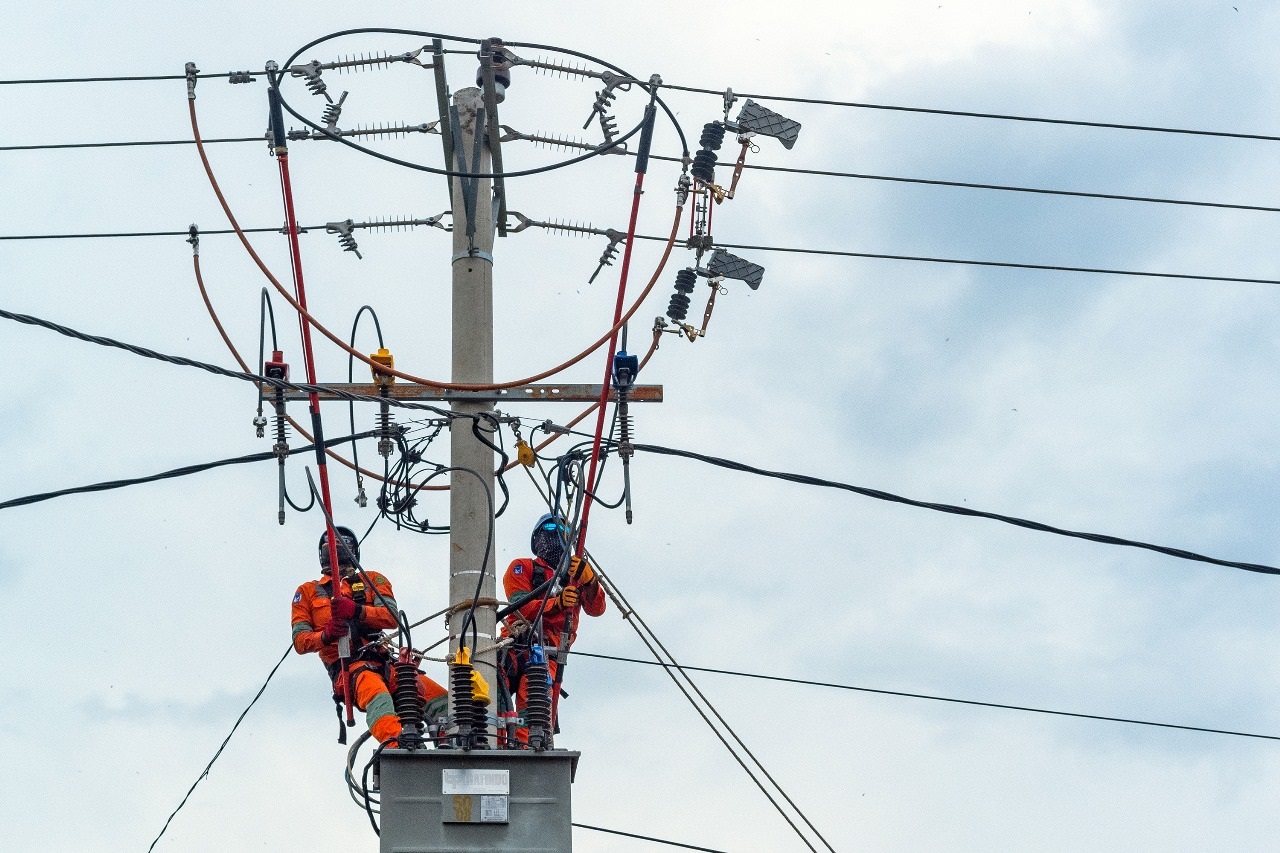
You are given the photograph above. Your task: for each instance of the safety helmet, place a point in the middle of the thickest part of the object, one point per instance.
(548, 538)
(348, 547)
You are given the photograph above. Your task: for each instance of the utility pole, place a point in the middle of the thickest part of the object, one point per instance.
(471, 482)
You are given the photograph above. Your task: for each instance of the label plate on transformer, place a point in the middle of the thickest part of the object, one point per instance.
(476, 782)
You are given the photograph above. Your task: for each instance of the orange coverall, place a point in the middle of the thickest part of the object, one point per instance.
(522, 577)
(311, 605)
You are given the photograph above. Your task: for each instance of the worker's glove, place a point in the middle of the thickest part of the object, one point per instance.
(580, 571)
(344, 608)
(335, 630)
(568, 598)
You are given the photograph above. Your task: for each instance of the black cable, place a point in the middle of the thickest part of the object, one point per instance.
(957, 510)
(972, 263)
(131, 79)
(227, 740)
(351, 407)
(646, 838)
(969, 114)
(1000, 187)
(786, 249)
(950, 699)
(182, 361)
(66, 145)
(828, 173)
(168, 475)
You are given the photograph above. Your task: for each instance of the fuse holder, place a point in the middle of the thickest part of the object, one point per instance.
(277, 367)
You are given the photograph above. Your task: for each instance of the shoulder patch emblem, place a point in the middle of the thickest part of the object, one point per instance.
(297, 596)
(518, 569)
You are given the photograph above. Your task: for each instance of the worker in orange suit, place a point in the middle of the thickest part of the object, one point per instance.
(522, 583)
(322, 615)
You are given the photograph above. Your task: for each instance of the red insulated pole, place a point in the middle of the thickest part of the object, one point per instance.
(642, 165)
(308, 357)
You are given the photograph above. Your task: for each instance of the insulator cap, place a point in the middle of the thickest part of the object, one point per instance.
(678, 307)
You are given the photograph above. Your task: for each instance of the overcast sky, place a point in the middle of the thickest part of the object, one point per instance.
(142, 621)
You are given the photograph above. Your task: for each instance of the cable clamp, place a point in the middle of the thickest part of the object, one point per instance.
(194, 239)
(241, 77)
(473, 253)
(191, 72)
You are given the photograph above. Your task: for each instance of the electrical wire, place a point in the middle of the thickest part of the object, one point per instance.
(646, 838)
(302, 313)
(981, 115)
(780, 98)
(955, 510)
(950, 699)
(184, 471)
(341, 394)
(827, 173)
(651, 641)
(223, 746)
(1000, 264)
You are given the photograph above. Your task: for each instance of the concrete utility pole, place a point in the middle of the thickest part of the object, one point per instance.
(470, 516)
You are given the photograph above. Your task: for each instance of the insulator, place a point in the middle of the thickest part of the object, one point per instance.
(537, 709)
(408, 704)
(704, 165)
(686, 280)
(386, 429)
(331, 114)
(678, 307)
(608, 126)
(463, 704)
(712, 136)
(348, 244)
(282, 432)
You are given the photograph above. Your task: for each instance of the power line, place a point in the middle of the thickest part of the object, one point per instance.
(785, 249)
(646, 838)
(999, 187)
(955, 510)
(863, 105)
(135, 144)
(828, 173)
(950, 699)
(184, 471)
(998, 264)
(225, 741)
(183, 361)
(995, 116)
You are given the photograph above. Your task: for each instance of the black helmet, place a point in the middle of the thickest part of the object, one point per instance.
(348, 547)
(549, 538)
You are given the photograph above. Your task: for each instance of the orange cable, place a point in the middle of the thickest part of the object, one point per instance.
(432, 383)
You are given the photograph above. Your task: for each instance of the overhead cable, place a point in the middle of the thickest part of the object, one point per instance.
(647, 838)
(184, 471)
(223, 746)
(826, 173)
(863, 105)
(183, 361)
(970, 114)
(950, 699)
(955, 510)
(785, 249)
(1001, 264)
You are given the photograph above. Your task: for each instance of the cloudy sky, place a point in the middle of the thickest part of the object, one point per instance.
(144, 620)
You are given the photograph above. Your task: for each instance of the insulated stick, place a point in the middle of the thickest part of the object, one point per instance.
(308, 361)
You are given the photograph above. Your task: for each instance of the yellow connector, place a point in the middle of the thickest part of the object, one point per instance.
(383, 357)
(462, 655)
(479, 688)
(524, 453)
